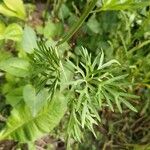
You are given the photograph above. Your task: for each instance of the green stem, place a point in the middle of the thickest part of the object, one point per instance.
(81, 20)
(139, 46)
(57, 7)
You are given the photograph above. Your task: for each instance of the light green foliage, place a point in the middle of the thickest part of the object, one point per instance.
(13, 8)
(4, 55)
(51, 29)
(29, 39)
(93, 24)
(2, 28)
(123, 4)
(34, 101)
(11, 32)
(14, 96)
(16, 66)
(63, 12)
(22, 126)
(96, 88)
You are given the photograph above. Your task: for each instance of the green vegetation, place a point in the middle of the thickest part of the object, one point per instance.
(77, 71)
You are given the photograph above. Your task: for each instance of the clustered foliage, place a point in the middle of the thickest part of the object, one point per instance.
(48, 80)
(47, 72)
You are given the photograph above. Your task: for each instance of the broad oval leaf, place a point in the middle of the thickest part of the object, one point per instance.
(5, 11)
(93, 25)
(13, 32)
(123, 5)
(22, 127)
(29, 41)
(17, 7)
(16, 66)
(34, 101)
(14, 96)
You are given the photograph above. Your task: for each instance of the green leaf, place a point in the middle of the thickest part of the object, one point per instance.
(83, 116)
(109, 63)
(14, 96)
(118, 104)
(4, 55)
(16, 66)
(2, 29)
(5, 11)
(93, 24)
(13, 32)
(23, 127)
(114, 79)
(123, 5)
(128, 105)
(128, 95)
(17, 7)
(108, 99)
(50, 30)
(29, 41)
(34, 101)
(63, 12)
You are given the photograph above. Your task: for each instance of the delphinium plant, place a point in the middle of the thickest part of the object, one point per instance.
(74, 87)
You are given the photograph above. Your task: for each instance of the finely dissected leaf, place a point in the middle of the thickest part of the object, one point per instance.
(118, 104)
(128, 105)
(47, 66)
(128, 95)
(108, 99)
(34, 101)
(95, 87)
(109, 63)
(101, 60)
(83, 116)
(29, 39)
(15, 66)
(22, 127)
(109, 81)
(13, 32)
(17, 7)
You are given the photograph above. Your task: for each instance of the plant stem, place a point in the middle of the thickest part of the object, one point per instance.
(78, 24)
(57, 7)
(131, 51)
